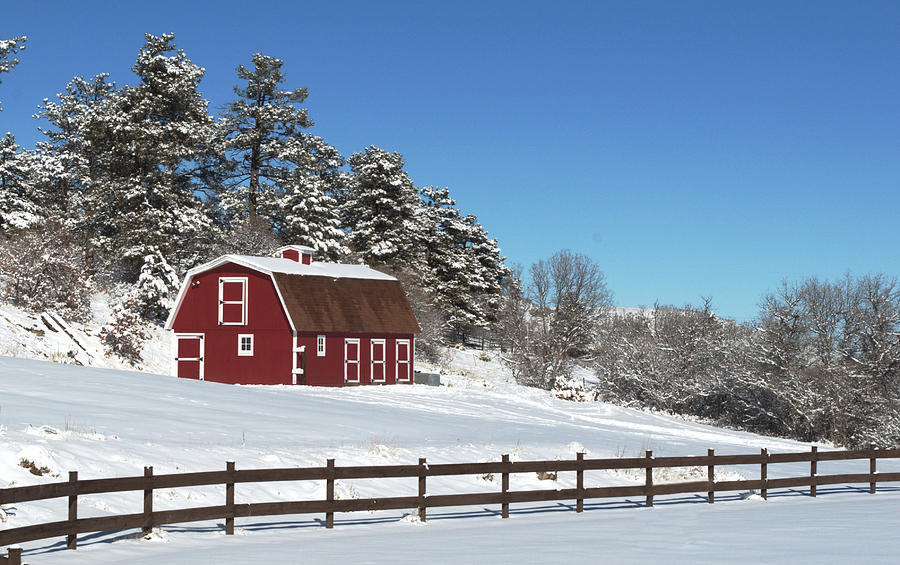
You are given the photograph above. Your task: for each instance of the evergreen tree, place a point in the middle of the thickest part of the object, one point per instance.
(9, 48)
(163, 140)
(73, 167)
(261, 129)
(383, 211)
(306, 210)
(18, 203)
(464, 266)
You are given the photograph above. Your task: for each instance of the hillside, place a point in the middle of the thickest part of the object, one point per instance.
(105, 422)
(47, 336)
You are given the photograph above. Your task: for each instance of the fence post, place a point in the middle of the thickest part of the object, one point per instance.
(14, 555)
(872, 471)
(229, 499)
(329, 493)
(814, 455)
(579, 482)
(649, 482)
(711, 477)
(71, 539)
(504, 487)
(422, 478)
(148, 501)
(763, 471)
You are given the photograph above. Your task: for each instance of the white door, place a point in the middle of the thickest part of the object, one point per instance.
(189, 356)
(377, 350)
(351, 361)
(403, 355)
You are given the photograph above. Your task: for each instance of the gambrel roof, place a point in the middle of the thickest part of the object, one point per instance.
(326, 297)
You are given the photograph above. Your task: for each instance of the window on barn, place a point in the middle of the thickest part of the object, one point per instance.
(232, 301)
(320, 346)
(245, 345)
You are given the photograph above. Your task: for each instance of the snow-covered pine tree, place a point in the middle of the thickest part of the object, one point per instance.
(309, 216)
(73, 167)
(464, 265)
(8, 49)
(259, 129)
(163, 136)
(488, 270)
(383, 210)
(19, 207)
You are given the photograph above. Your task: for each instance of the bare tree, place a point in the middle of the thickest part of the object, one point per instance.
(566, 299)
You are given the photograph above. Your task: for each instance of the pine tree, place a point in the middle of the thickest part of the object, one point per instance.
(19, 208)
(163, 138)
(464, 266)
(383, 211)
(260, 129)
(9, 48)
(306, 210)
(73, 167)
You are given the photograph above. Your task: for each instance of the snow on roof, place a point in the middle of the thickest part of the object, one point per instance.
(304, 248)
(290, 267)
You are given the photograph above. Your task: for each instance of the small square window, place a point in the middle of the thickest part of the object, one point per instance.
(320, 346)
(245, 345)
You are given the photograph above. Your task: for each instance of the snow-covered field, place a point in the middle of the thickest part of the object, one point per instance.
(106, 423)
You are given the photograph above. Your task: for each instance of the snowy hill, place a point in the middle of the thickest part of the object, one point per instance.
(47, 336)
(106, 423)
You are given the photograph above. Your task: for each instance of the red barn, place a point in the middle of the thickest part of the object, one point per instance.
(291, 320)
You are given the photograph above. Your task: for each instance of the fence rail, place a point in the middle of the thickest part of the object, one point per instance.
(148, 482)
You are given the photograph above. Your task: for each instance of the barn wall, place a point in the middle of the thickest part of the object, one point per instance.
(272, 342)
(329, 370)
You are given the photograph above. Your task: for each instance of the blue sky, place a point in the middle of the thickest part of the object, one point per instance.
(690, 148)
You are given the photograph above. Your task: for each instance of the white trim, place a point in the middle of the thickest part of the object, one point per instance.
(398, 362)
(243, 301)
(347, 361)
(240, 351)
(202, 338)
(373, 362)
(186, 284)
(321, 342)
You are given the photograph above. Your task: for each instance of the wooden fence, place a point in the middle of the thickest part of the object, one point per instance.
(231, 476)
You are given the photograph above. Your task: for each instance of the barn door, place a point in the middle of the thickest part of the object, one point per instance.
(402, 360)
(351, 361)
(377, 360)
(189, 356)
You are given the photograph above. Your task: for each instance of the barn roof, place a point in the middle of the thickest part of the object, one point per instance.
(317, 303)
(327, 297)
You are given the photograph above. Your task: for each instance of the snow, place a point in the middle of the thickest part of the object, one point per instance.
(106, 423)
(291, 267)
(49, 337)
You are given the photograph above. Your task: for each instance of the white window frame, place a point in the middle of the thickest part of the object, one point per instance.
(241, 352)
(397, 345)
(320, 345)
(373, 362)
(242, 301)
(202, 338)
(348, 341)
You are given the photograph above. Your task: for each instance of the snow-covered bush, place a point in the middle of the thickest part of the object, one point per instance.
(156, 288)
(126, 331)
(41, 271)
